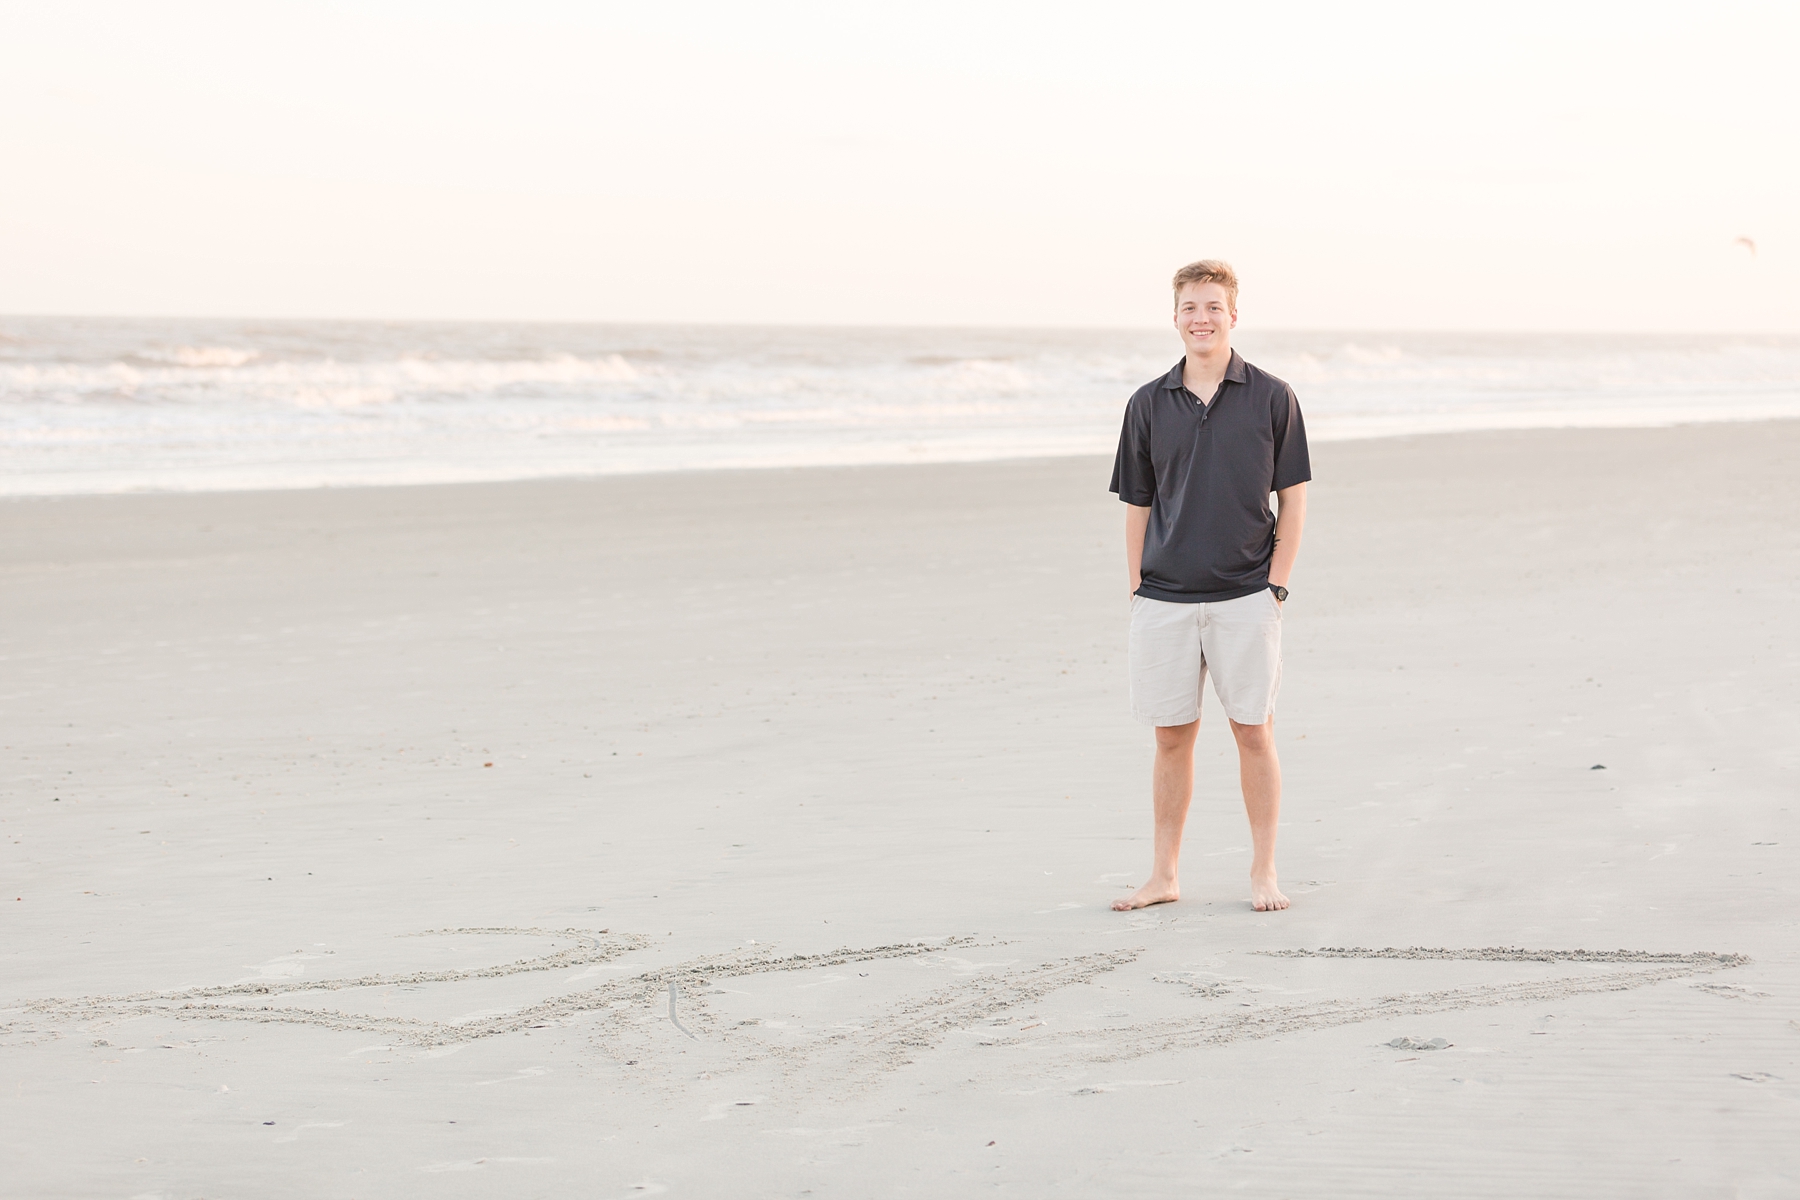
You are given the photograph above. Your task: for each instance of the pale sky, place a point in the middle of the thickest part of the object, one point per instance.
(1368, 166)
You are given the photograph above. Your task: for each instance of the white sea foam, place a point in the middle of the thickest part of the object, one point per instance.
(123, 405)
(220, 375)
(200, 356)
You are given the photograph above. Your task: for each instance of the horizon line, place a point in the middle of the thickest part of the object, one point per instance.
(1587, 331)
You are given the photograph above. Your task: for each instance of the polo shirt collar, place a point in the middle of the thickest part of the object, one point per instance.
(1235, 372)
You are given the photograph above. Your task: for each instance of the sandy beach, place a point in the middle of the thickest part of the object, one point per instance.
(363, 842)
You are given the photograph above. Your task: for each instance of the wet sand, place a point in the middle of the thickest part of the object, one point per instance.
(362, 842)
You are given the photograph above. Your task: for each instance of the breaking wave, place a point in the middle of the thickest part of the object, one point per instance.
(97, 405)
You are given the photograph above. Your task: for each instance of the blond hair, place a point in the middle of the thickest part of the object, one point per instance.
(1209, 270)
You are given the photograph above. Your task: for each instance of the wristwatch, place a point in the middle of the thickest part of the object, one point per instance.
(1280, 592)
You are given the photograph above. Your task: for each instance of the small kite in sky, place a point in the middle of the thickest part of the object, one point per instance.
(1746, 243)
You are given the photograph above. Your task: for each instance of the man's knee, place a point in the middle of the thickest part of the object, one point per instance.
(1254, 739)
(1176, 737)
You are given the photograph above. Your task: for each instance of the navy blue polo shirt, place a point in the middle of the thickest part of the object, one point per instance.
(1205, 472)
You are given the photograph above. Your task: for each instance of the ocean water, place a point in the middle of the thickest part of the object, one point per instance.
(92, 405)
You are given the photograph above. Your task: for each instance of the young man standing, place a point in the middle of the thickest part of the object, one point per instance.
(1202, 449)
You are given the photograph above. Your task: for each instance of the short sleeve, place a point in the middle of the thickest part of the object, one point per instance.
(1293, 464)
(1134, 478)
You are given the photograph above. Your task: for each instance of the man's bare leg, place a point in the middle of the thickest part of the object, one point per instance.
(1259, 770)
(1171, 791)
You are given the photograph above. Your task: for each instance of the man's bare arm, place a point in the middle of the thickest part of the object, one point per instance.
(1290, 519)
(1137, 520)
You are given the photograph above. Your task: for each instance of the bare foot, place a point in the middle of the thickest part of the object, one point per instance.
(1157, 891)
(1264, 895)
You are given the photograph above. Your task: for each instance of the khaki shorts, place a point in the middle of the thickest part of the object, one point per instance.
(1175, 646)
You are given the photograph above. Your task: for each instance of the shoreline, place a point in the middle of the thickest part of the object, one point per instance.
(873, 463)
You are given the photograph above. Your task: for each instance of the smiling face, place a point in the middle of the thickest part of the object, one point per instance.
(1205, 318)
